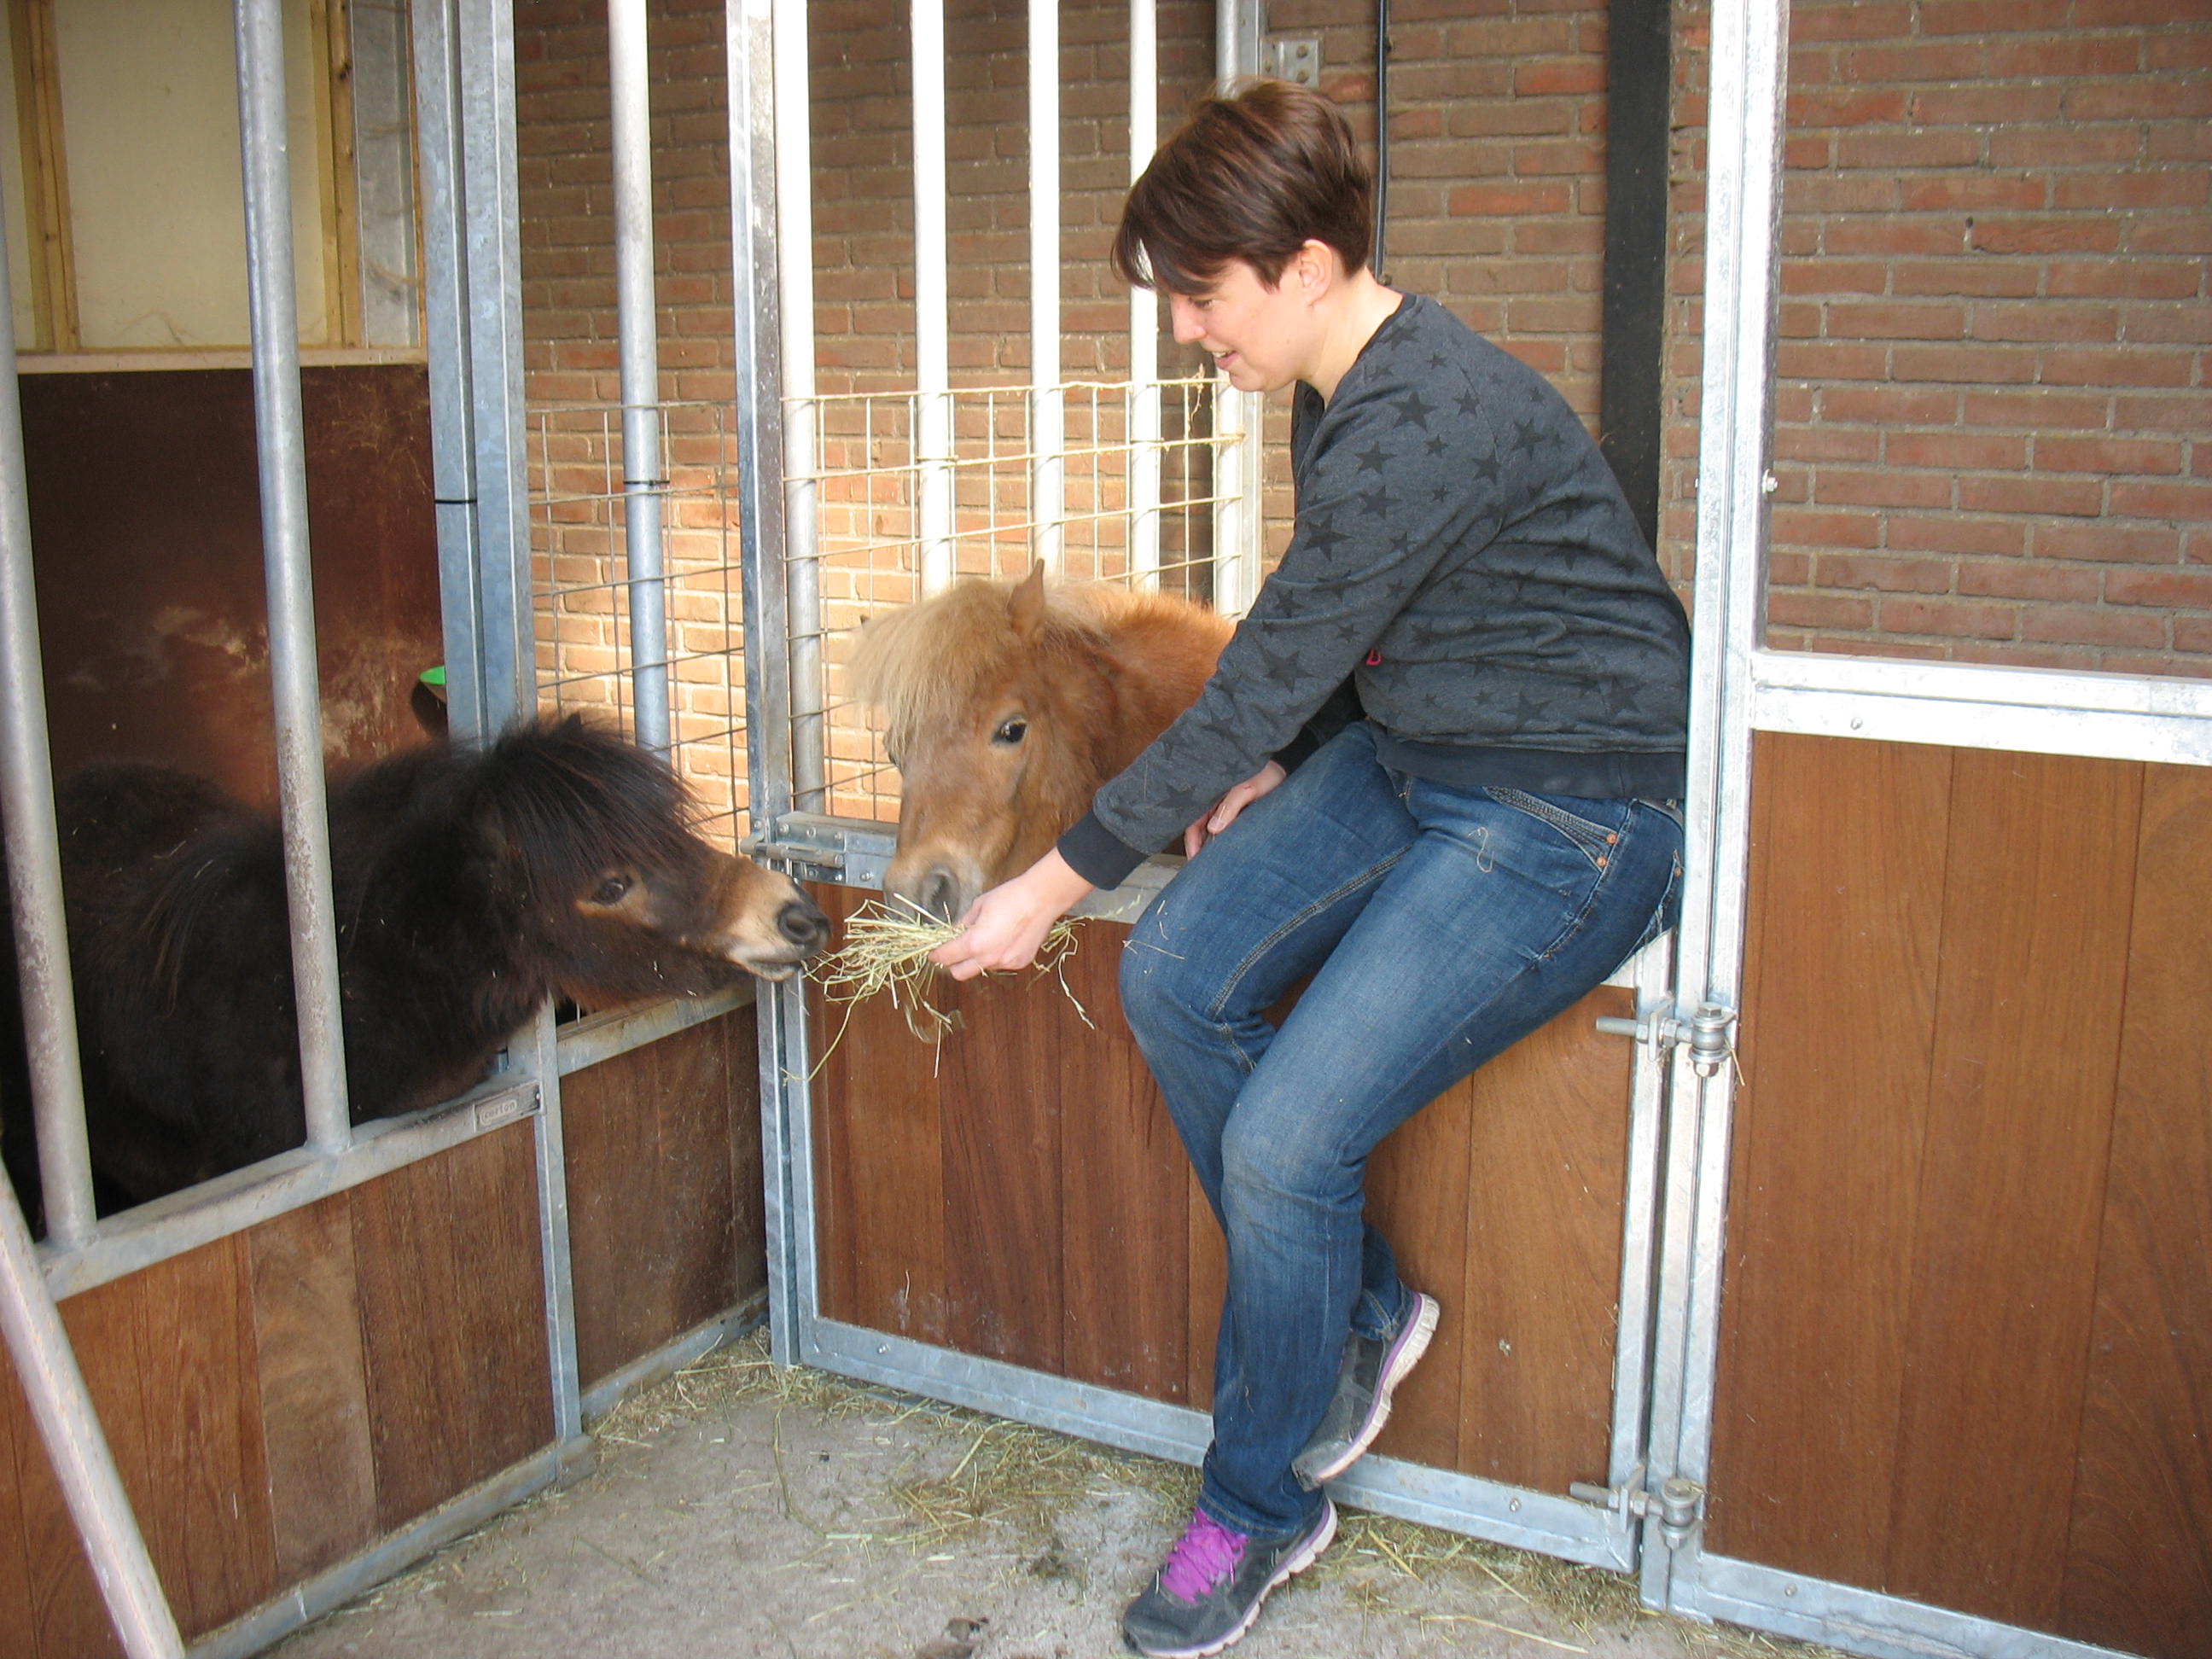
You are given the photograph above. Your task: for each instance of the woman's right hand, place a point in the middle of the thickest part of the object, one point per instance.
(1226, 809)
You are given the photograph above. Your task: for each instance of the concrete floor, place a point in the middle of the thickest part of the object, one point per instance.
(736, 1509)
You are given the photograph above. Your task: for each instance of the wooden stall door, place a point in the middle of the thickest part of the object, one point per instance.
(1017, 1193)
(1967, 1343)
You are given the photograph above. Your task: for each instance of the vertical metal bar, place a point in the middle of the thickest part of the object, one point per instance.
(445, 339)
(1742, 259)
(750, 45)
(1047, 413)
(644, 481)
(794, 240)
(1238, 417)
(931, 319)
(1144, 417)
(492, 270)
(280, 441)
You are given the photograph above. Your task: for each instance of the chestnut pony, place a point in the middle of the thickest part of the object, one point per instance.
(1007, 704)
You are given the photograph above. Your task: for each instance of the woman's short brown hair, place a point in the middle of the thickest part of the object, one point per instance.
(1253, 175)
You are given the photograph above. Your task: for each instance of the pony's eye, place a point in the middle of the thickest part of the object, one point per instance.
(1012, 732)
(612, 890)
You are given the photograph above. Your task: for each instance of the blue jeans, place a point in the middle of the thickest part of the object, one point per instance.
(1441, 923)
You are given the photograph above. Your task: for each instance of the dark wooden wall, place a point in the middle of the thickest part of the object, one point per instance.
(1967, 1341)
(281, 1398)
(1020, 1194)
(146, 531)
(663, 1156)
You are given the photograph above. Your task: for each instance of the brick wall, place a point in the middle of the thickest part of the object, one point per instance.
(1992, 405)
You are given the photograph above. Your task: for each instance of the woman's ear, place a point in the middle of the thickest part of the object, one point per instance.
(1315, 266)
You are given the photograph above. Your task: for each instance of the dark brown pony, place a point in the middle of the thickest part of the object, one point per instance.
(469, 886)
(1007, 704)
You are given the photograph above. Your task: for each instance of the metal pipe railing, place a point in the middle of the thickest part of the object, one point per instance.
(795, 245)
(1047, 413)
(1144, 312)
(644, 478)
(932, 320)
(281, 450)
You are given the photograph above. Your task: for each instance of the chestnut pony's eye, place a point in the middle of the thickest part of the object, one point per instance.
(1012, 732)
(612, 890)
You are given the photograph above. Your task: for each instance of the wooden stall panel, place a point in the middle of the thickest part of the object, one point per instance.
(452, 1314)
(1839, 1012)
(1964, 1356)
(663, 1153)
(1026, 1174)
(2143, 1513)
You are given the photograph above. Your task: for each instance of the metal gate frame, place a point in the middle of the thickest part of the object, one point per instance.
(1599, 1526)
(1740, 688)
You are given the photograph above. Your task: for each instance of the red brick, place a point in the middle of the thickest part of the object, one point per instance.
(2075, 497)
(1954, 450)
(1817, 360)
(2193, 634)
(1895, 321)
(2028, 579)
(2107, 543)
(1889, 575)
(1799, 527)
(2189, 412)
(1896, 236)
(2107, 455)
(1916, 61)
(1869, 20)
(1964, 365)
(2088, 627)
(2118, 366)
(2106, 192)
(1933, 147)
(1970, 193)
(1993, 278)
(2187, 325)
(1849, 108)
(2045, 411)
(1827, 443)
(1954, 618)
(1984, 105)
(2131, 279)
(2171, 233)
(2070, 56)
(1887, 405)
(2139, 98)
(1505, 200)
(2045, 321)
(2179, 590)
(1837, 487)
(2010, 235)
(2062, 146)
(1565, 75)
(1801, 277)
(2163, 501)
(1788, 609)
(1979, 17)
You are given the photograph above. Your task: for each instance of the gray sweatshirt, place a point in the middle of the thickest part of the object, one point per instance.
(1464, 572)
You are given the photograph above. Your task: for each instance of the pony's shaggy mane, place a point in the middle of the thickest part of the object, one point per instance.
(920, 666)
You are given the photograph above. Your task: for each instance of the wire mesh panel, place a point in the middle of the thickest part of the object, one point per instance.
(581, 593)
(868, 546)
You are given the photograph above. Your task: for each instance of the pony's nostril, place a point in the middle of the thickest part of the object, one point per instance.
(939, 890)
(802, 922)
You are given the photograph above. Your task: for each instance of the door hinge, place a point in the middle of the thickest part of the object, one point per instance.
(1680, 1503)
(1709, 1032)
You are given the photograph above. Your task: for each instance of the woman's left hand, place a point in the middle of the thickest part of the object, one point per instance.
(1004, 928)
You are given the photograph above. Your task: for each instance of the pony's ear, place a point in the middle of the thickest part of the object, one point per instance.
(1026, 605)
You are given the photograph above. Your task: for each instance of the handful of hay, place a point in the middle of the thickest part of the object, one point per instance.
(885, 950)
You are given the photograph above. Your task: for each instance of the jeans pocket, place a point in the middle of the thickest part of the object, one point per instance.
(1667, 913)
(1595, 841)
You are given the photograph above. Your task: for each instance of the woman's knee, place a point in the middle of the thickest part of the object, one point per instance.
(1158, 992)
(1266, 1163)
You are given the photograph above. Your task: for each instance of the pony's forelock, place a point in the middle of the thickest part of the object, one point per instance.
(920, 666)
(574, 800)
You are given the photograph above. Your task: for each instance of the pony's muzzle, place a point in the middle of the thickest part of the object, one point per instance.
(802, 922)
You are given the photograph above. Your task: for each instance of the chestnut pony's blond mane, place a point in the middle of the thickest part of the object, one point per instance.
(918, 666)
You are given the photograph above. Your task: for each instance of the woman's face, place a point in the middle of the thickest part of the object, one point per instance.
(1258, 335)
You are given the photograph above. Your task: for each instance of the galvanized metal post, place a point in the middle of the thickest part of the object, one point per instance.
(1238, 417)
(794, 249)
(1144, 416)
(1047, 410)
(645, 481)
(934, 506)
(281, 450)
(749, 47)
(1743, 187)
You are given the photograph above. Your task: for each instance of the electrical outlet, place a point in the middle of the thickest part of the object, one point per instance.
(1298, 60)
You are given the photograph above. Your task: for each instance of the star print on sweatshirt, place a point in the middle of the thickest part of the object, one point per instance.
(1463, 565)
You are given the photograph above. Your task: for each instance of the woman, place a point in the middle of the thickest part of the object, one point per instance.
(1435, 770)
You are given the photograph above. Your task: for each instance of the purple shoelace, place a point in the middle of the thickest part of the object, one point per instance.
(1205, 1554)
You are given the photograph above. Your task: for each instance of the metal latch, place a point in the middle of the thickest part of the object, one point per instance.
(1709, 1032)
(1680, 1503)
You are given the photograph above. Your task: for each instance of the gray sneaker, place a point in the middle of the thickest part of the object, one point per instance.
(1208, 1591)
(1373, 1367)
